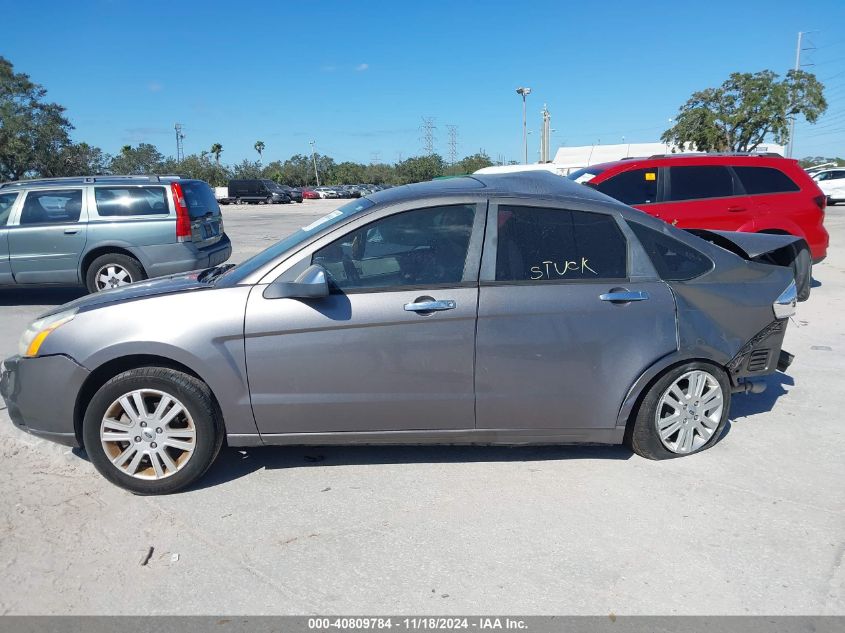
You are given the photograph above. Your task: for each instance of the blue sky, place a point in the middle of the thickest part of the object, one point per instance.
(357, 77)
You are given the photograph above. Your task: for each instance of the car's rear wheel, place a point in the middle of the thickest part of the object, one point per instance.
(683, 412)
(112, 270)
(152, 430)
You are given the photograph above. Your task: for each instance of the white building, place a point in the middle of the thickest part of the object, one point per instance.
(569, 159)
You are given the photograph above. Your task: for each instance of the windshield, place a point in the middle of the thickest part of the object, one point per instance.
(246, 268)
(585, 175)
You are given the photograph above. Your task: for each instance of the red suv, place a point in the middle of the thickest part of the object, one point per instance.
(756, 193)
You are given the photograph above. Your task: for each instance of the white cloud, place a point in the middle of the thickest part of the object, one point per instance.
(362, 67)
(155, 87)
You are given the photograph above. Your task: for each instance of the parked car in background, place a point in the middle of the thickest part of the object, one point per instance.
(326, 192)
(310, 194)
(294, 193)
(754, 193)
(832, 183)
(257, 191)
(486, 309)
(107, 231)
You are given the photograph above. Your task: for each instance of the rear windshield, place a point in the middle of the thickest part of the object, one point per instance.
(585, 175)
(200, 199)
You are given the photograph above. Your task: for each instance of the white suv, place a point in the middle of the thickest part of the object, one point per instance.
(832, 183)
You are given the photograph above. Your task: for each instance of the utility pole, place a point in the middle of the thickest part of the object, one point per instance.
(524, 92)
(453, 143)
(544, 136)
(792, 120)
(428, 127)
(180, 151)
(314, 158)
(375, 158)
(798, 49)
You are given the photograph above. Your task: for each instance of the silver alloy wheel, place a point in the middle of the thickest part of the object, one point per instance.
(112, 276)
(689, 412)
(148, 434)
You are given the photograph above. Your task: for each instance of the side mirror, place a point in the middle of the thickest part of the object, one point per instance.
(313, 283)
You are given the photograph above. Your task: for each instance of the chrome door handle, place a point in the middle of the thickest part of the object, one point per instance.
(431, 306)
(624, 296)
(71, 231)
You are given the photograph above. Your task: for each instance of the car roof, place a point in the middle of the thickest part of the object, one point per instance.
(537, 184)
(95, 180)
(712, 158)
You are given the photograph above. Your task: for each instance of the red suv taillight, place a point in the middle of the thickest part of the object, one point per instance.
(821, 201)
(183, 216)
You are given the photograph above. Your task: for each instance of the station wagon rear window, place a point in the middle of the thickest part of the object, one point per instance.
(131, 201)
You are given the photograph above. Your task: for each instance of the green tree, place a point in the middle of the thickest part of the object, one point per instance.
(217, 149)
(471, 164)
(199, 166)
(259, 147)
(745, 110)
(144, 159)
(33, 132)
(348, 173)
(247, 169)
(79, 159)
(420, 168)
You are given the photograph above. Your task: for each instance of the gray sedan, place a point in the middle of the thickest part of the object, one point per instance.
(499, 309)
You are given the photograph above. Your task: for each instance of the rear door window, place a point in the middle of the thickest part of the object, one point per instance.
(541, 244)
(759, 180)
(54, 206)
(131, 201)
(638, 186)
(673, 260)
(200, 199)
(7, 201)
(700, 181)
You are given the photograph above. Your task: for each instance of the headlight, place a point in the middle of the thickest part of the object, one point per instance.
(38, 331)
(784, 305)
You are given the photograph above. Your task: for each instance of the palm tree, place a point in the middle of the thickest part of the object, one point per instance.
(217, 149)
(259, 147)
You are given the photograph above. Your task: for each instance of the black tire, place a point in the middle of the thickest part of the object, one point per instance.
(131, 265)
(197, 399)
(268, 200)
(299, 201)
(802, 269)
(642, 436)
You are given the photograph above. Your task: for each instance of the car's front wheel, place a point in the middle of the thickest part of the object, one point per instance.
(684, 412)
(152, 430)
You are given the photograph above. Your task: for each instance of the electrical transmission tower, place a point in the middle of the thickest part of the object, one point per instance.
(375, 158)
(453, 143)
(798, 50)
(427, 129)
(180, 150)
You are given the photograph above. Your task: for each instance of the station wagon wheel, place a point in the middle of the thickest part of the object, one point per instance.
(684, 411)
(112, 270)
(152, 430)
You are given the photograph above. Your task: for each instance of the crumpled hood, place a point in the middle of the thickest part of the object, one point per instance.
(182, 282)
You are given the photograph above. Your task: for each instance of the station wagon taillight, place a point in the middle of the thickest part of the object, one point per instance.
(183, 216)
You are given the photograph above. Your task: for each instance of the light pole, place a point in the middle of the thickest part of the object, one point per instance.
(314, 158)
(524, 92)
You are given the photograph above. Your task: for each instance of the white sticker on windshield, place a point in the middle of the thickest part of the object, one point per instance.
(323, 220)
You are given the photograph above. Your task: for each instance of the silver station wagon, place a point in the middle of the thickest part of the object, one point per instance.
(107, 231)
(505, 309)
